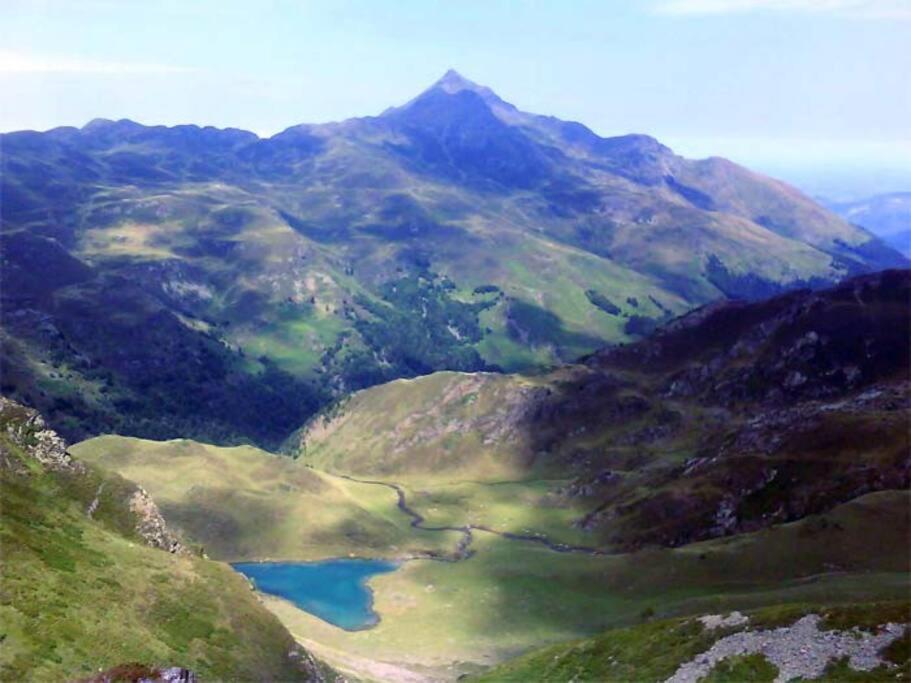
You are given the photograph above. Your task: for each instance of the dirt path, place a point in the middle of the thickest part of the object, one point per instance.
(360, 667)
(93, 506)
(463, 549)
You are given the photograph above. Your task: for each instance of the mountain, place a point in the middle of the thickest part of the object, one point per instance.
(732, 418)
(207, 283)
(93, 579)
(887, 216)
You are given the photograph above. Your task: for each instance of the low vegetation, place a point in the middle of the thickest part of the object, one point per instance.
(81, 591)
(653, 651)
(243, 503)
(450, 618)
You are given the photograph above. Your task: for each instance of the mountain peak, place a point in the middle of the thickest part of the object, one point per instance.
(453, 81)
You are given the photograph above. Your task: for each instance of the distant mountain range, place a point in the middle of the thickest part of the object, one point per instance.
(208, 283)
(888, 216)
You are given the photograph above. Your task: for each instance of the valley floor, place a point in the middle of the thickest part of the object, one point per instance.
(442, 618)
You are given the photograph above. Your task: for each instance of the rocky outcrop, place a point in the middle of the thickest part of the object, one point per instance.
(800, 651)
(772, 467)
(141, 673)
(316, 671)
(798, 346)
(27, 431)
(150, 525)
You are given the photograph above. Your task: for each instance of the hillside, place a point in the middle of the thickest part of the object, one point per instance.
(505, 595)
(243, 503)
(888, 216)
(93, 579)
(746, 456)
(154, 276)
(845, 643)
(729, 419)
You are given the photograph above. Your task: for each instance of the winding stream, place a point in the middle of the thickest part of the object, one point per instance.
(337, 591)
(463, 549)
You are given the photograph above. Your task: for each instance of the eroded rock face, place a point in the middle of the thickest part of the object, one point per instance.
(151, 525)
(176, 674)
(28, 431)
(801, 650)
(140, 673)
(714, 621)
(770, 467)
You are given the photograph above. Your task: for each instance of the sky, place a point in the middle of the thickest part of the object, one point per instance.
(814, 88)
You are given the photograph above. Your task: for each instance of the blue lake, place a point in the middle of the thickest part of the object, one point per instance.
(334, 590)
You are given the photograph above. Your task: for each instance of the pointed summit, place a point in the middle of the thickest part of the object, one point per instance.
(452, 81)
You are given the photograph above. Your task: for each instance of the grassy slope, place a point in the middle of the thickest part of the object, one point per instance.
(527, 454)
(469, 447)
(653, 651)
(441, 426)
(243, 503)
(81, 595)
(647, 443)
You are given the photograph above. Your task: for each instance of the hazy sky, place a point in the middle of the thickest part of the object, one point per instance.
(763, 81)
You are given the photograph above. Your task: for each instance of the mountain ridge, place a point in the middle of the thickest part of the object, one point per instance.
(732, 418)
(452, 232)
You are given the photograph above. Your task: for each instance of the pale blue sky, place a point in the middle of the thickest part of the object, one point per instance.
(762, 81)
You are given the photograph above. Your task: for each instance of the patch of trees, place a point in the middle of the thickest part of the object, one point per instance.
(598, 299)
(416, 327)
(532, 324)
(156, 378)
(640, 325)
(486, 289)
(752, 287)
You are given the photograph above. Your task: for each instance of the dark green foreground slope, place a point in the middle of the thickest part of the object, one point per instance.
(91, 578)
(654, 651)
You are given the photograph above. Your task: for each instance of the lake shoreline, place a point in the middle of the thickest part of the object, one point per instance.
(311, 587)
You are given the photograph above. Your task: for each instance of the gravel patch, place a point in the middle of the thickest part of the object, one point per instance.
(799, 650)
(713, 621)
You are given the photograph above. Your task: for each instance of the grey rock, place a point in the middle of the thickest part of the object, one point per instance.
(801, 650)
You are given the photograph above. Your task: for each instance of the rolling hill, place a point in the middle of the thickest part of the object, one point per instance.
(155, 276)
(243, 503)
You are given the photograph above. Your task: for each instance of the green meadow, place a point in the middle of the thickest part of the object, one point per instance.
(443, 618)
